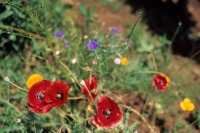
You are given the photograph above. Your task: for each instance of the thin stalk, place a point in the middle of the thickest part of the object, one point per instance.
(176, 32)
(7, 80)
(75, 98)
(75, 78)
(146, 72)
(154, 62)
(11, 105)
(10, 3)
(98, 61)
(191, 124)
(129, 54)
(133, 28)
(143, 119)
(61, 111)
(70, 72)
(89, 92)
(23, 31)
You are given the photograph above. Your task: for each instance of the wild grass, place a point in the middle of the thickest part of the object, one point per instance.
(37, 50)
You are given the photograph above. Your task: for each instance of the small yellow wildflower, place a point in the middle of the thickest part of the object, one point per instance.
(187, 105)
(33, 79)
(89, 108)
(12, 91)
(125, 61)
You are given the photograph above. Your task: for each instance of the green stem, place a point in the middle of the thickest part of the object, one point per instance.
(10, 3)
(146, 72)
(70, 72)
(15, 85)
(191, 125)
(6, 102)
(177, 30)
(99, 61)
(154, 61)
(23, 31)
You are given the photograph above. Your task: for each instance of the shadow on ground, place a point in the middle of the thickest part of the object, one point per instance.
(163, 17)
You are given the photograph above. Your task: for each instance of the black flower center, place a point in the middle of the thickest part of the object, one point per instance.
(107, 113)
(40, 96)
(60, 96)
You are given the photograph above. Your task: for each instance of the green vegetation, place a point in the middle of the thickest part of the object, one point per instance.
(28, 46)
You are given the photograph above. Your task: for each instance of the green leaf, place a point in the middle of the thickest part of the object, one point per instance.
(61, 9)
(163, 39)
(82, 9)
(90, 11)
(15, 47)
(6, 13)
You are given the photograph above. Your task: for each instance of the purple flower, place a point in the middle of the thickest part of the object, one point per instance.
(67, 44)
(114, 31)
(59, 34)
(93, 44)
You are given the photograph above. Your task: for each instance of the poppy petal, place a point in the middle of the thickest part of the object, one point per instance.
(35, 91)
(40, 110)
(91, 84)
(57, 93)
(109, 113)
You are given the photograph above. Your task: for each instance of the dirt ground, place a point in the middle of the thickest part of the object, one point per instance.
(166, 15)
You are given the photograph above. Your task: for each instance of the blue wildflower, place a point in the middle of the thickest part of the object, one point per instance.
(114, 31)
(93, 44)
(67, 44)
(59, 34)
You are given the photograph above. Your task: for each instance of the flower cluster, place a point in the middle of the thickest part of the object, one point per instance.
(45, 94)
(108, 115)
(160, 81)
(90, 85)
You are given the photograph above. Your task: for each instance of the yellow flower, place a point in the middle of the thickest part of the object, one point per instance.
(125, 61)
(33, 79)
(187, 105)
(89, 108)
(12, 91)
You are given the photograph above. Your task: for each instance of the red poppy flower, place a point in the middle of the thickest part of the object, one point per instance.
(160, 81)
(91, 84)
(108, 115)
(57, 93)
(36, 95)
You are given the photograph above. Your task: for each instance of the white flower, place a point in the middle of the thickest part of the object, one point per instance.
(117, 61)
(57, 52)
(94, 62)
(82, 82)
(85, 37)
(74, 61)
(19, 120)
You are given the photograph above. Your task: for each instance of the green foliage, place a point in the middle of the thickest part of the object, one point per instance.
(87, 13)
(32, 26)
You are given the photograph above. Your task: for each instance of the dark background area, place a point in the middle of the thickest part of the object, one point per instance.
(163, 17)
